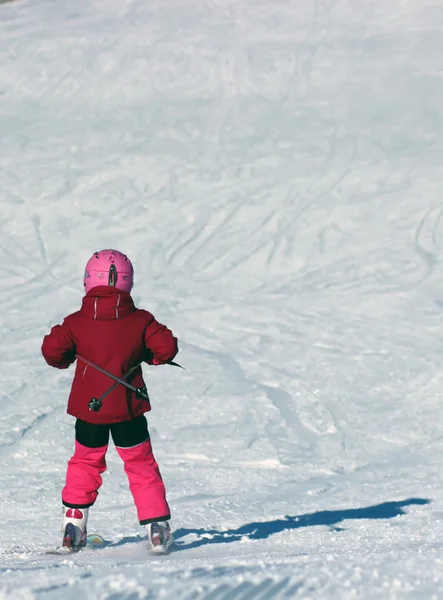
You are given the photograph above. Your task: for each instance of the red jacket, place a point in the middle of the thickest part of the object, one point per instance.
(110, 332)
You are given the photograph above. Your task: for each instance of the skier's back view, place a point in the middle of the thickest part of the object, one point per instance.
(111, 333)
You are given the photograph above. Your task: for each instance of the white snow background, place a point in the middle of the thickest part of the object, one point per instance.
(274, 169)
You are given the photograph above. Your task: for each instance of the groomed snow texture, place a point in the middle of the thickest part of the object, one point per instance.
(274, 168)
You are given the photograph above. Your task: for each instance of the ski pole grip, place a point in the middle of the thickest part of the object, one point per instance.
(142, 392)
(94, 404)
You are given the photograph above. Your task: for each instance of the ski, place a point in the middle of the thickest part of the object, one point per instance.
(64, 550)
(159, 551)
(94, 540)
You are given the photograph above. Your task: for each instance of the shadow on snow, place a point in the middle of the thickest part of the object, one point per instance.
(262, 530)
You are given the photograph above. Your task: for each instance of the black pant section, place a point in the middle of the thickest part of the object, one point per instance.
(124, 434)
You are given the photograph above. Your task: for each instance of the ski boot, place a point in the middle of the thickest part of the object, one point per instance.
(74, 528)
(160, 537)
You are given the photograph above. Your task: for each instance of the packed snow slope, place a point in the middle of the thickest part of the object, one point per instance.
(274, 170)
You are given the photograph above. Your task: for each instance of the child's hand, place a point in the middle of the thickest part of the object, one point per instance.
(149, 358)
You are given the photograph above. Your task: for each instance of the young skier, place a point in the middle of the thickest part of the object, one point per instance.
(111, 333)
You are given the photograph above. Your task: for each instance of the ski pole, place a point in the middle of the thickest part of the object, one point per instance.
(140, 391)
(174, 364)
(95, 404)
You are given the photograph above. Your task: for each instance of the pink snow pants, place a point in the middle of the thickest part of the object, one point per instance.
(83, 479)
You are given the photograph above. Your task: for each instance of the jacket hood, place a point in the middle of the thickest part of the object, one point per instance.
(104, 303)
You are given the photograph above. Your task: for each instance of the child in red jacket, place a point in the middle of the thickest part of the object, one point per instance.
(111, 333)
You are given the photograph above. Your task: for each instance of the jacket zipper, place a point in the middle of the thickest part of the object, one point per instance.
(116, 308)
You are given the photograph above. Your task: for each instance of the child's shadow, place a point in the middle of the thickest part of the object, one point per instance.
(262, 530)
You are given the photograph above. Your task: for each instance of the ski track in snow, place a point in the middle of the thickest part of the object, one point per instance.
(273, 170)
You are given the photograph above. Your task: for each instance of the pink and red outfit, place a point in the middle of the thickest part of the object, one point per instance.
(112, 333)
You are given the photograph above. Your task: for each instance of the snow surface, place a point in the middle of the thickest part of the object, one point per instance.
(274, 170)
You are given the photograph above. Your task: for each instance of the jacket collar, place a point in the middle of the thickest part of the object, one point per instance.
(104, 303)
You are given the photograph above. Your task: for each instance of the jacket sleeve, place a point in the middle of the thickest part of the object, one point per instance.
(160, 343)
(58, 347)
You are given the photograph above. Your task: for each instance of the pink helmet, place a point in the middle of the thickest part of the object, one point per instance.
(109, 267)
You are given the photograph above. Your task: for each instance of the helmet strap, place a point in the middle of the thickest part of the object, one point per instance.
(112, 276)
